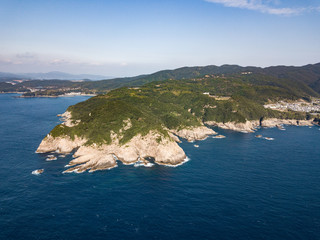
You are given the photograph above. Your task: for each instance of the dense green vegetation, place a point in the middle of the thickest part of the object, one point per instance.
(176, 104)
(40, 85)
(48, 83)
(7, 87)
(308, 76)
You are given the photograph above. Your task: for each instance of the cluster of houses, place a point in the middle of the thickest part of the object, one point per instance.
(300, 106)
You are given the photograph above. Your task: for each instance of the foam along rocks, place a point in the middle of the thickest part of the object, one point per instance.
(37, 172)
(268, 138)
(186, 159)
(51, 158)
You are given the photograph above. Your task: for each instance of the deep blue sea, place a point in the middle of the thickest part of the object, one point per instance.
(238, 188)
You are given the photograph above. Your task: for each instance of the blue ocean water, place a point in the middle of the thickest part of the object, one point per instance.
(240, 187)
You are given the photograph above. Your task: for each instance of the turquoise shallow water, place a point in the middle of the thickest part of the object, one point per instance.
(240, 187)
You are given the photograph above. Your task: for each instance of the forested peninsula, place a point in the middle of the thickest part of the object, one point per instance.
(136, 124)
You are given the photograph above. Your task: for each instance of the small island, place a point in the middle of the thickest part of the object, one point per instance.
(136, 124)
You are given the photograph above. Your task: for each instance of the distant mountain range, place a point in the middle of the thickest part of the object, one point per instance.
(296, 79)
(50, 75)
(306, 76)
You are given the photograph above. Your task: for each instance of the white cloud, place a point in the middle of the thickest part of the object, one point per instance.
(58, 61)
(261, 6)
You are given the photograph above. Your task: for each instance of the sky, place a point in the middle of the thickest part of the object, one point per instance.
(131, 37)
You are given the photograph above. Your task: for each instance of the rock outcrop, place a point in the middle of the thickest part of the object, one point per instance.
(59, 144)
(251, 126)
(274, 122)
(94, 157)
(194, 133)
(66, 119)
(248, 126)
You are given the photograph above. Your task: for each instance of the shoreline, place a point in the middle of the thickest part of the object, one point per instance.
(167, 152)
(49, 96)
(12, 92)
(253, 125)
(139, 148)
(64, 95)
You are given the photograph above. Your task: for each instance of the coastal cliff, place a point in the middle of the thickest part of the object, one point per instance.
(164, 150)
(193, 134)
(251, 126)
(248, 126)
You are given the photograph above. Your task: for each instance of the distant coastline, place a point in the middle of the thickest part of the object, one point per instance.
(63, 95)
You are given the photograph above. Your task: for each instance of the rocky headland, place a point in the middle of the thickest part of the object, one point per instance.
(140, 148)
(164, 150)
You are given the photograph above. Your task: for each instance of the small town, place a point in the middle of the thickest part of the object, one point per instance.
(299, 106)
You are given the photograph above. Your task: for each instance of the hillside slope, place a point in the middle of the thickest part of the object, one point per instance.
(176, 104)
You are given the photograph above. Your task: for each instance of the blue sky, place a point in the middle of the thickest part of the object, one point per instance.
(131, 37)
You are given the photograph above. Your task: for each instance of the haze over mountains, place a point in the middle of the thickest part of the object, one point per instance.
(51, 75)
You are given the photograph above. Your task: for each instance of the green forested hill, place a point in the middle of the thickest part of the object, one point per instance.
(175, 104)
(305, 77)
(7, 87)
(309, 75)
